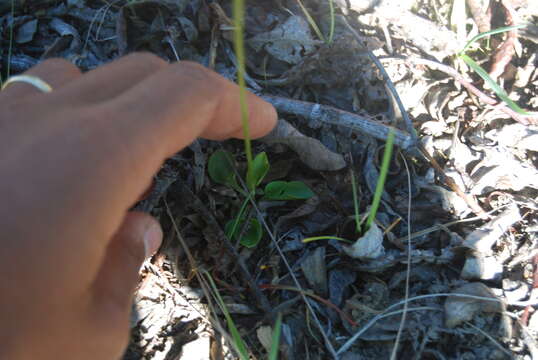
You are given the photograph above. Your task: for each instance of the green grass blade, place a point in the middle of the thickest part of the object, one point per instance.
(311, 21)
(488, 33)
(331, 14)
(238, 218)
(387, 154)
(275, 339)
(328, 237)
(355, 202)
(239, 46)
(494, 86)
(238, 342)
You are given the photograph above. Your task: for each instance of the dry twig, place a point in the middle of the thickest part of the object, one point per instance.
(334, 116)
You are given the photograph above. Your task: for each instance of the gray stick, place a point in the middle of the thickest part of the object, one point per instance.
(334, 116)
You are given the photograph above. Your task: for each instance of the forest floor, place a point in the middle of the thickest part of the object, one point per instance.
(450, 268)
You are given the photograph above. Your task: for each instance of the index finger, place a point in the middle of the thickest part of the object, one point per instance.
(183, 101)
(164, 113)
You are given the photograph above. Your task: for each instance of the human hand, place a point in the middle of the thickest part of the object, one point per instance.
(73, 163)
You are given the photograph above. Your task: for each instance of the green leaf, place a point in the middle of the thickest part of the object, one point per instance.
(260, 167)
(287, 190)
(251, 236)
(221, 168)
(494, 86)
(488, 33)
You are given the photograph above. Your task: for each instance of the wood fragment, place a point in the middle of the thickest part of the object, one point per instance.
(334, 116)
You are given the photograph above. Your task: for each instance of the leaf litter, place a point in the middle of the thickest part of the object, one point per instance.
(472, 290)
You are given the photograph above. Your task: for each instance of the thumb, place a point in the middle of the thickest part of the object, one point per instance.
(138, 237)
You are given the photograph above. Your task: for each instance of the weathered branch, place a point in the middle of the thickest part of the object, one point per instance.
(334, 116)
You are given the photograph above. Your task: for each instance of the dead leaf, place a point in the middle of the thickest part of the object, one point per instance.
(500, 170)
(315, 271)
(519, 136)
(26, 32)
(483, 238)
(287, 42)
(459, 309)
(265, 334)
(368, 247)
(311, 151)
(478, 267)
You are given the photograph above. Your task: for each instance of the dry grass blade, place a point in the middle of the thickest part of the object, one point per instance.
(408, 269)
(499, 346)
(376, 318)
(386, 313)
(206, 288)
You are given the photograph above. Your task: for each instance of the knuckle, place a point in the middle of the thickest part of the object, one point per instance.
(147, 59)
(197, 73)
(59, 64)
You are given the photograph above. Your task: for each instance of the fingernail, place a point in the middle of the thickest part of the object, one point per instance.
(153, 238)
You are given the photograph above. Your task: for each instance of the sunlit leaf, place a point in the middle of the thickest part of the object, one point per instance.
(287, 190)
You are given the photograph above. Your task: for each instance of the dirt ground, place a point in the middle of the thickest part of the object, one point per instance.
(450, 268)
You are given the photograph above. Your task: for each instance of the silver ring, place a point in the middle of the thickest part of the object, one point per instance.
(29, 79)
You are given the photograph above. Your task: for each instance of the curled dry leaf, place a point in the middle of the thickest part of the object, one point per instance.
(480, 267)
(501, 170)
(264, 334)
(311, 151)
(483, 238)
(369, 246)
(516, 135)
(459, 309)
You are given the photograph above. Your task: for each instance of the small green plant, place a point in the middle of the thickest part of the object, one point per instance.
(222, 170)
(380, 186)
(383, 171)
(483, 73)
(239, 46)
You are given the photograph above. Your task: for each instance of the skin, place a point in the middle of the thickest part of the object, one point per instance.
(74, 161)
